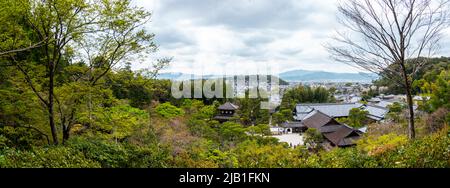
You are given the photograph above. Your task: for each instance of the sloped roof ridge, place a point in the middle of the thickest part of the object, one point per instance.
(375, 106)
(324, 104)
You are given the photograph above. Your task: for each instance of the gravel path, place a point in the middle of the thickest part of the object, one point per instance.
(292, 139)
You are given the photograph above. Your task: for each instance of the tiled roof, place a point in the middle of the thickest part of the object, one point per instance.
(294, 124)
(344, 136)
(376, 112)
(332, 110)
(303, 111)
(228, 106)
(384, 104)
(318, 120)
(330, 128)
(339, 134)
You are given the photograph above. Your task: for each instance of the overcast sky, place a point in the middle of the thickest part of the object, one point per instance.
(209, 36)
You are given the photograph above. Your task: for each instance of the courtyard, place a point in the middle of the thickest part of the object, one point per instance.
(293, 139)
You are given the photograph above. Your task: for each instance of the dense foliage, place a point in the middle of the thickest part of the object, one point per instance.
(357, 118)
(107, 116)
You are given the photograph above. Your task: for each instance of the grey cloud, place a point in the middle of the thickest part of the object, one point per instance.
(263, 30)
(292, 52)
(171, 37)
(245, 14)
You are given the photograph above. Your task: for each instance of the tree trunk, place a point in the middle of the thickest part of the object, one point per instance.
(66, 134)
(412, 131)
(411, 128)
(51, 117)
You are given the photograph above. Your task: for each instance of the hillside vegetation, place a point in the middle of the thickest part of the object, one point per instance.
(72, 100)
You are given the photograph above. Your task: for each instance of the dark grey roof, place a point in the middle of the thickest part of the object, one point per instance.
(294, 124)
(318, 120)
(330, 128)
(376, 112)
(332, 110)
(228, 106)
(343, 137)
(303, 111)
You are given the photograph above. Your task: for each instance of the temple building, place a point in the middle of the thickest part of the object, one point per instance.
(226, 112)
(337, 110)
(337, 134)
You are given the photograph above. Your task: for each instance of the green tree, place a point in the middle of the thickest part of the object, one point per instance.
(168, 110)
(250, 112)
(382, 40)
(261, 130)
(231, 132)
(395, 111)
(304, 94)
(313, 138)
(111, 32)
(440, 95)
(357, 117)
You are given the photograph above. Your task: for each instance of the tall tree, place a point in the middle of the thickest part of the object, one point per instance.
(12, 33)
(64, 26)
(388, 35)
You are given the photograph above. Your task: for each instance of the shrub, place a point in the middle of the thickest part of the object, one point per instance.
(51, 157)
(109, 155)
(344, 158)
(20, 137)
(167, 110)
(230, 131)
(429, 152)
(313, 138)
(373, 145)
(120, 155)
(250, 154)
(437, 120)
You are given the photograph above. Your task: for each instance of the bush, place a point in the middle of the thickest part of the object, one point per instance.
(429, 152)
(167, 110)
(250, 154)
(116, 155)
(230, 131)
(261, 130)
(437, 120)
(117, 122)
(313, 138)
(344, 158)
(374, 145)
(20, 137)
(51, 157)
(109, 155)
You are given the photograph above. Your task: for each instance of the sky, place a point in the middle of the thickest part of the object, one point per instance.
(246, 36)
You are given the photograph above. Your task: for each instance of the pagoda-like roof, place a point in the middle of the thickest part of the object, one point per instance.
(228, 106)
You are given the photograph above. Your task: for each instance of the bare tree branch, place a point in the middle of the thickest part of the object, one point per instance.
(391, 38)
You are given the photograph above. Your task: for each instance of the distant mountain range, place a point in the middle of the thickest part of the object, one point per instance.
(293, 76)
(322, 76)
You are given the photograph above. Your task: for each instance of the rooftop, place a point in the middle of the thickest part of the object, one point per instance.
(343, 137)
(294, 124)
(330, 109)
(318, 119)
(228, 106)
(336, 110)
